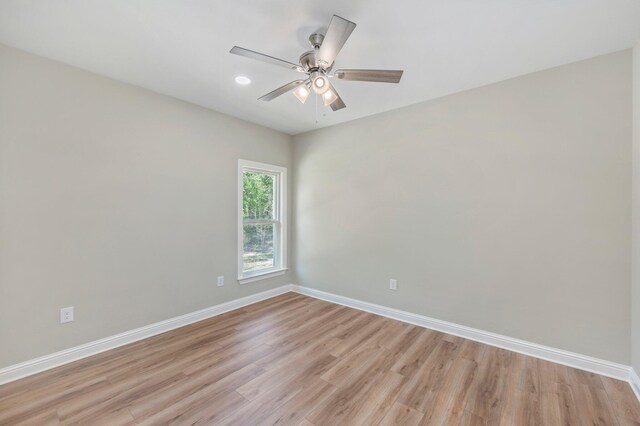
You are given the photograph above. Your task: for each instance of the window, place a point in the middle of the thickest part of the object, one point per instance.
(261, 222)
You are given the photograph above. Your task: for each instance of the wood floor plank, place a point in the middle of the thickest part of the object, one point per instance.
(622, 399)
(27, 406)
(46, 418)
(597, 409)
(296, 360)
(405, 337)
(273, 384)
(521, 408)
(417, 353)
(347, 365)
(113, 398)
(342, 404)
(429, 377)
(199, 408)
(569, 411)
(471, 419)
(521, 403)
(623, 421)
(550, 409)
(359, 336)
(490, 387)
(400, 414)
(380, 398)
(148, 405)
(294, 410)
(448, 403)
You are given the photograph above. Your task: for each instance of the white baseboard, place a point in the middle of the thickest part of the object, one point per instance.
(634, 381)
(66, 356)
(582, 362)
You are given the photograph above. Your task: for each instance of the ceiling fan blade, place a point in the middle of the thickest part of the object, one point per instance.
(337, 34)
(381, 76)
(264, 58)
(281, 90)
(338, 103)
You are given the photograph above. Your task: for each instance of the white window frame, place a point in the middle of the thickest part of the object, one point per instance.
(279, 221)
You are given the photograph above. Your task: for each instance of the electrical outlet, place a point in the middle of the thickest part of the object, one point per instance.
(393, 284)
(66, 315)
(220, 281)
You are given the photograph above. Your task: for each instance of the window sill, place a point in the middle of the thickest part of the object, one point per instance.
(262, 276)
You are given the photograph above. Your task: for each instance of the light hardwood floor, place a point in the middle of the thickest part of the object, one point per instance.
(301, 361)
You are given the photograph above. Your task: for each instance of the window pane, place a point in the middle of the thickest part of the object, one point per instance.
(258, 247)
(257, 195)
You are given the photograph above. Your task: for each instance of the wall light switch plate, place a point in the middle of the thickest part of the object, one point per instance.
(393, 284)
(66, 315)
(220, 281)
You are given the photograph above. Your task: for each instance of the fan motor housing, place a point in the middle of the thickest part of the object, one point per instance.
(308, 60)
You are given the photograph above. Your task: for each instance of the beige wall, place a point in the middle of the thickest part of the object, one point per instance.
(504, 208)
(114, 200)
(635, 328)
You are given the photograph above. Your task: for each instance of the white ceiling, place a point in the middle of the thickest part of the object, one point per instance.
(180, 48)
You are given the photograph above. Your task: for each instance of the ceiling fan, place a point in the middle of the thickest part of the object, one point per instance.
(317, 65)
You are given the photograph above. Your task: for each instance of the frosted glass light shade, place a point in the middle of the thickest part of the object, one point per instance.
(302, 93)
(329, 97)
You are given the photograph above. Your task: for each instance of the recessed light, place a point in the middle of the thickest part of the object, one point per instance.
(242, 80)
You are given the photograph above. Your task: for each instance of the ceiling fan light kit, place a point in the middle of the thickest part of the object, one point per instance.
(317, 65)
(329, 97)
(302, 93)
(320, 82)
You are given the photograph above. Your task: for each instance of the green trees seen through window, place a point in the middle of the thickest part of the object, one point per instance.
(257, 196)
(258, 212)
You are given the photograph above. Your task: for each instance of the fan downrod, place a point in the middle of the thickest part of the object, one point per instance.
(315, 40)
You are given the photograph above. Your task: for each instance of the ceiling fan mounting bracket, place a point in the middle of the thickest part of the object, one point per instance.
(315, 40)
